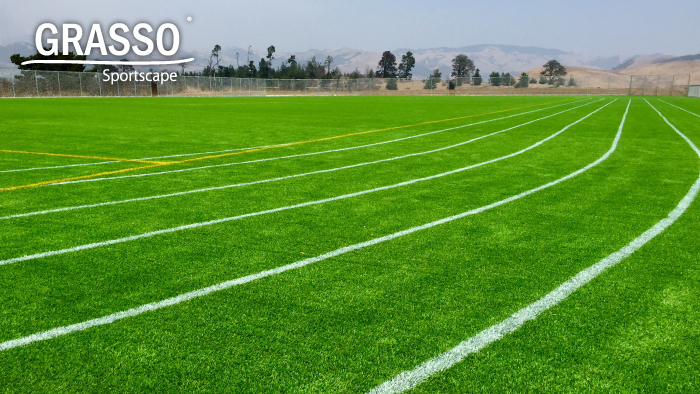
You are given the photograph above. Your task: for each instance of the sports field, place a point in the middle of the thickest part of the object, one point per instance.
(350, 245)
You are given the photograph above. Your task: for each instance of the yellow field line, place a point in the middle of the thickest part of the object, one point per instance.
(160, 164)
(80, 156)
(354, 134)
(44, 183)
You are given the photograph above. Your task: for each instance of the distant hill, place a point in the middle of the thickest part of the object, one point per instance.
(679, 68)
(487, 57)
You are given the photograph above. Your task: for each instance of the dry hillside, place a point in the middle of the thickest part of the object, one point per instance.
(673, 68)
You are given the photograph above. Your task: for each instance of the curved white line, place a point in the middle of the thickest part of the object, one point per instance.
(116, 63)
(410, 379)
(65, 330)
(682, 109)
(21, 215)
(305, 204)
(253, 147)
(305, 154)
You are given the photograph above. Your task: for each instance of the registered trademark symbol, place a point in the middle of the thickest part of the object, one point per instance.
(189, 19)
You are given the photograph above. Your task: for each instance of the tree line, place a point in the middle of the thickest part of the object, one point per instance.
(462, 69)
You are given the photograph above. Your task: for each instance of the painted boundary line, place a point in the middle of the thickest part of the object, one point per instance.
(65, 330)
(410, 379)
(78, 156)
(311, 153)
(21, 215)
(50, 182)
(115, 161)
(682, 109)
(289, 207)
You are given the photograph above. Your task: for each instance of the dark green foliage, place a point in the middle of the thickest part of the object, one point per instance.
(18, 60)
(523, 81)
(462, 66)
(387, 66)
(477, 78)
(495, 78)
(553, 69)
(432, 82)
(391, 84)
(406, 65)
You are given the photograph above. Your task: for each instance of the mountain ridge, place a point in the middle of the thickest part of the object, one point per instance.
(487, 57)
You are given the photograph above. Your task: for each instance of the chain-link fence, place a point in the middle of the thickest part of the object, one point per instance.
(19, 83)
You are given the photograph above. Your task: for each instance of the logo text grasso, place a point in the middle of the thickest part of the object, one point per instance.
(72, 34)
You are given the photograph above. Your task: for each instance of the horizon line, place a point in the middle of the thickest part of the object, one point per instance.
(110, 62)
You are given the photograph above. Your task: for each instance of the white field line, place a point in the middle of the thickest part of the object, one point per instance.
(65, 330)
(53, 167)
(289, 207)
(21, 215)
(113, 161)
(309, 154)
(208, 153)
(410, 379)
(254, 147)
(682, 109)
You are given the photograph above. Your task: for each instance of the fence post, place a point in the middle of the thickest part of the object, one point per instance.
(58, 78)
(658, 81)
(14, 94)
(631, 79)
(118, 93)
(80, 78)
(99, 84)
(36, 81)
(136, 93)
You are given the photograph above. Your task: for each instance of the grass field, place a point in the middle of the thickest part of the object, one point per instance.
(350, 245)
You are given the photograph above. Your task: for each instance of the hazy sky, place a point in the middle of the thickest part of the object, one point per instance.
(593, 27)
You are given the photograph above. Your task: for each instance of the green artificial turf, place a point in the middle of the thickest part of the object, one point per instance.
(349, 323)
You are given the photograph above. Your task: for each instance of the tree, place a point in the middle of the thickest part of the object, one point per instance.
(18, 60)
(433, 80)
(387, 66)
(553, 69)
(495, 78)
(327, 63)
(355, 74)
(507, 79)
(314, 69)
(572, 82)
(263, 68)
(270, 53)
(406, 65)
(214, 58)
(292, 60)
(252, 72)
(125, 67)
(462, 66)
(391, 84)
(477, 78)
(523, 81)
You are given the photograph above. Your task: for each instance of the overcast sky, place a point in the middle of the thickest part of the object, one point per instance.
(593, 27)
